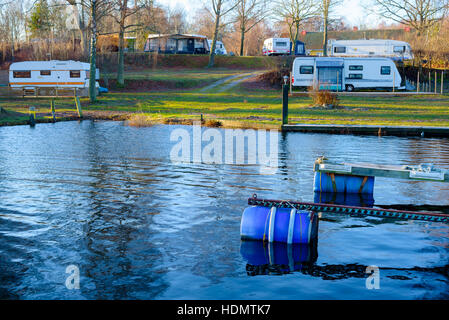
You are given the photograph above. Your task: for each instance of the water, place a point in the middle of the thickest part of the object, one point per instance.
(105, 197)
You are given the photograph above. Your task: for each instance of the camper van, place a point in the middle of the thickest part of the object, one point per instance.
(55, 74)
(219, 47)
(282, 46)
(396, 50)
(339, 74)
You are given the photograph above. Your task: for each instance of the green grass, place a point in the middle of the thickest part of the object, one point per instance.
(243, 107)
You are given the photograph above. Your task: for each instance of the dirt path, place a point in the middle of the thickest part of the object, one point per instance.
(229, 82)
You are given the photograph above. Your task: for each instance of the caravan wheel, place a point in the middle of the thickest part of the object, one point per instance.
(349, 87)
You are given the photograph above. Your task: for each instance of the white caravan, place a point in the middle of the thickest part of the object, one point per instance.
(396, 50)
(50, 74)
(219, 47)
(345, 73)
(276, 46)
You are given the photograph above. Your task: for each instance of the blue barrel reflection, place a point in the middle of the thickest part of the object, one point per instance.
(277, 258)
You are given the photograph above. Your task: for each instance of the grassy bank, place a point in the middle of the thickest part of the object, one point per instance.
(243, 107)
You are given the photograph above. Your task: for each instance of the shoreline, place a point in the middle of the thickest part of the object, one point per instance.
(368, 130)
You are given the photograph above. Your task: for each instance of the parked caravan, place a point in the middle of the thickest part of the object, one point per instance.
(282, 46)
(50, 74)
(219, 47)
(396, 50)
(345, 73)
(177, 44)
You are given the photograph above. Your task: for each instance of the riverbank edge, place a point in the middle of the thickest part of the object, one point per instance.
(371, 130)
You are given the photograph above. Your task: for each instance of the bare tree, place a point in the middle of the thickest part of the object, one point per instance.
(249, 14)
(326, 8)
(294, 13)
(220, 9)
(97, 9)
(418, 14)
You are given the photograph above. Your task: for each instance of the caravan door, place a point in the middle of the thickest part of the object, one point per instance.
(330, 74)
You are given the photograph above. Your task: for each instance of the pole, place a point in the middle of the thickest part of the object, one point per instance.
(285, 104)
(417, 84)
(394, 79)
(52, 104)
(436, 81)
(442, 81)
(291, 91)
(430, 84)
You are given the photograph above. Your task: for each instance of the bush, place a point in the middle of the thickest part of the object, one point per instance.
(324, 98)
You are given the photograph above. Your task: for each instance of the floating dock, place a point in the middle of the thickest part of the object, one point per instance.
(359, 177)
(441, 132)
(362, 211)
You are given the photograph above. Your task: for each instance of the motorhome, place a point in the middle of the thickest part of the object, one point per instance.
(339, 74)
(50, 74)
(219, 47)
(396, 50)
(282, 46)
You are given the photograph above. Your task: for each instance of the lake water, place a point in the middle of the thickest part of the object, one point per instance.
(106, 198)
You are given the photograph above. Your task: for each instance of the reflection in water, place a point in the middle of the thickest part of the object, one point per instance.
(276, 258)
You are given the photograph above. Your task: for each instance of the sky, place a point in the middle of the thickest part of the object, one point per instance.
(351, 9)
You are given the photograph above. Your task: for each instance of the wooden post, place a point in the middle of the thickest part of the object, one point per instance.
(442, 78)
(32, 112)
(291, 89)
(430, 83)
(394, 79)
(436, 82)
(78, 105)
(52, 103)
(417, 84)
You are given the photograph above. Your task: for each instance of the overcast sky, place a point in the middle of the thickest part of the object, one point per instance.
(351, 10)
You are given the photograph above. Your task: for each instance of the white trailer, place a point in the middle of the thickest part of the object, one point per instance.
(276, 47)
(339, 74)
(50, 74)
(396, 50)
(219, 47)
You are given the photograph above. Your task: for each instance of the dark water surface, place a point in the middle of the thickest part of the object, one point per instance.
(106, 198)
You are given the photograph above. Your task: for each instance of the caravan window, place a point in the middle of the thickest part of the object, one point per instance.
(281, 44)
(22, 74)
(358, 68)
(306, 70)
(45, 73)
(340, 49)
(75, 74)
(385, 70)
(399, 49)
(355, 76)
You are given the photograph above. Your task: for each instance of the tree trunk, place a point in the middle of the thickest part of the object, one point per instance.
(93, 54)
(214, 41)
(121, 46)
(242, 40)
(326, 23)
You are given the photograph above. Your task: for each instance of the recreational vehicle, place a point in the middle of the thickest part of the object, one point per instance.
(219, 47)
(282, 46)
(177, 43)
(396, 50)
(348, 74)
(50, 74)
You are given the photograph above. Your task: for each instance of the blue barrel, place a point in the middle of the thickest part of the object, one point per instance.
(348, 199)
(279, 225)
(329, 182)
